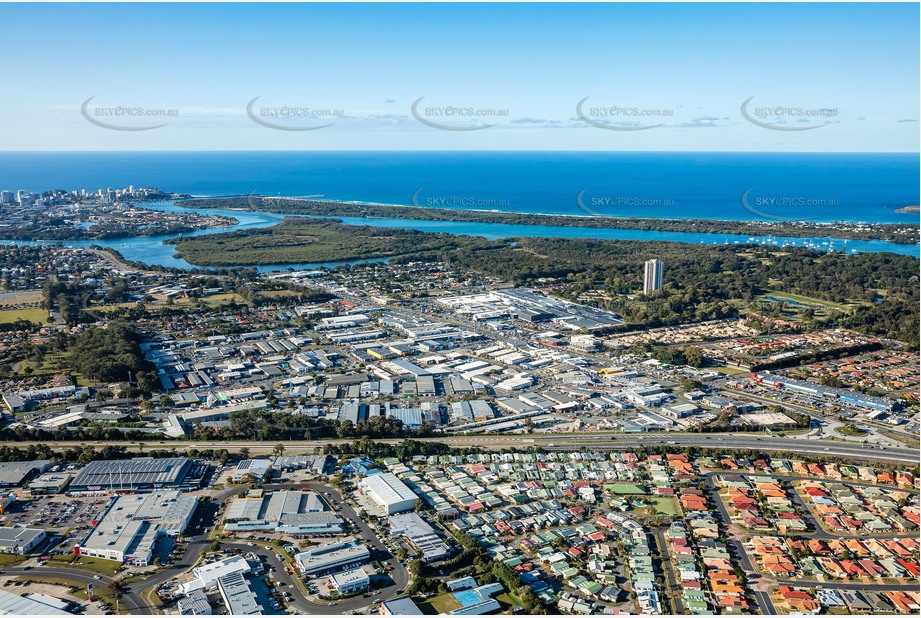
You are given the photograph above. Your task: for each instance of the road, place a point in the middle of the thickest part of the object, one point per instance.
(131, 601)
(199, 542)
(762, 597)
(600, 441)
(399, 574)
(673, 592)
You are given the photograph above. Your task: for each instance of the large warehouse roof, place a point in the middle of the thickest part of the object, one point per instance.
(388, 488)
(16, 472)
(138, 472)
(13, 604)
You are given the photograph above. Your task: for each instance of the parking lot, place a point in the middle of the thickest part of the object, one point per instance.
(67, 518)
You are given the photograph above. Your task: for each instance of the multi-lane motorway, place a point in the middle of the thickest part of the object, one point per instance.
(564, 441)
(135, 602)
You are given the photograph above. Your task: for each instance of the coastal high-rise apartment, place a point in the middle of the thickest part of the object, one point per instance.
(652, 276)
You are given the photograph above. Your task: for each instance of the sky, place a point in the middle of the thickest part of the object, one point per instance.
(609, 77)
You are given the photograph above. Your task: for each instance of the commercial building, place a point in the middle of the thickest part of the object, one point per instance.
(332, 558)
(16, 473)
(50, 483)
(652, 276)
(389, 492)
(207, 575)
(842, 395)
(141, 473)
(131, 527)
(20, 541)
(195, 603)
(420, 535)
(255, 468)
(350, 582)
(286, 512)
(32, 605)
(238, 597)
(403, 606)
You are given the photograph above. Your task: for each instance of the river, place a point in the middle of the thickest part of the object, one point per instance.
(152, 249)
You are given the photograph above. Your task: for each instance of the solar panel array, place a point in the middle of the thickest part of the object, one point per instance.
(130, 473)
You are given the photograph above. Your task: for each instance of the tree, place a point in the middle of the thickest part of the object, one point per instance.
(279, 449)
(117, 589)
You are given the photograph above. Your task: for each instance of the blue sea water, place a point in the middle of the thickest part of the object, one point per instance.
(815, 186)
(692, 185)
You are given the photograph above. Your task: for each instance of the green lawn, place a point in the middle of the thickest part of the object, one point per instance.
(277, 293)
(11, 560)
(39, 316)
(508, 600)
(443, 603)
(656, 505)
(624, 488)
(903, 438)
(854, 432)
(807, 300)
(80, 588)
(85, 563)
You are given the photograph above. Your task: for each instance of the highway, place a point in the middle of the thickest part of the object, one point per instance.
(599, 441)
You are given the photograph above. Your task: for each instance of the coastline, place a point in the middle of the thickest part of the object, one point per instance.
(892, 232)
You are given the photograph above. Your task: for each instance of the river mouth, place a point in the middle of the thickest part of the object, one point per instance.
(152, 250)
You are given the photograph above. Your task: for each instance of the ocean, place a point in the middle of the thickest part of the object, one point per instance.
(736, 186)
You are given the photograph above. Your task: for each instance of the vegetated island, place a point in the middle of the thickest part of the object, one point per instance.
(297, 240)
(877, 292)
(901, 233)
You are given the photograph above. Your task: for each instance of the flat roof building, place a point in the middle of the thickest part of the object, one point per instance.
(253, 467)
(350, 582)
(287, 512)
(195, 603)
(420, 534)
(50, 483)
(389, 492)
(206, 575)
(16, 473)
(20, 541)
(133, 474)
(403, 606)
(130, 528)
(15, 605)
(238, 597)
(332, 558)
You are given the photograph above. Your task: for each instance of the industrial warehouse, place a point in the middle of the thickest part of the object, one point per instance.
(287, 512)
(131, 527)
(140, 473)
(389, 492)
(20, 541)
